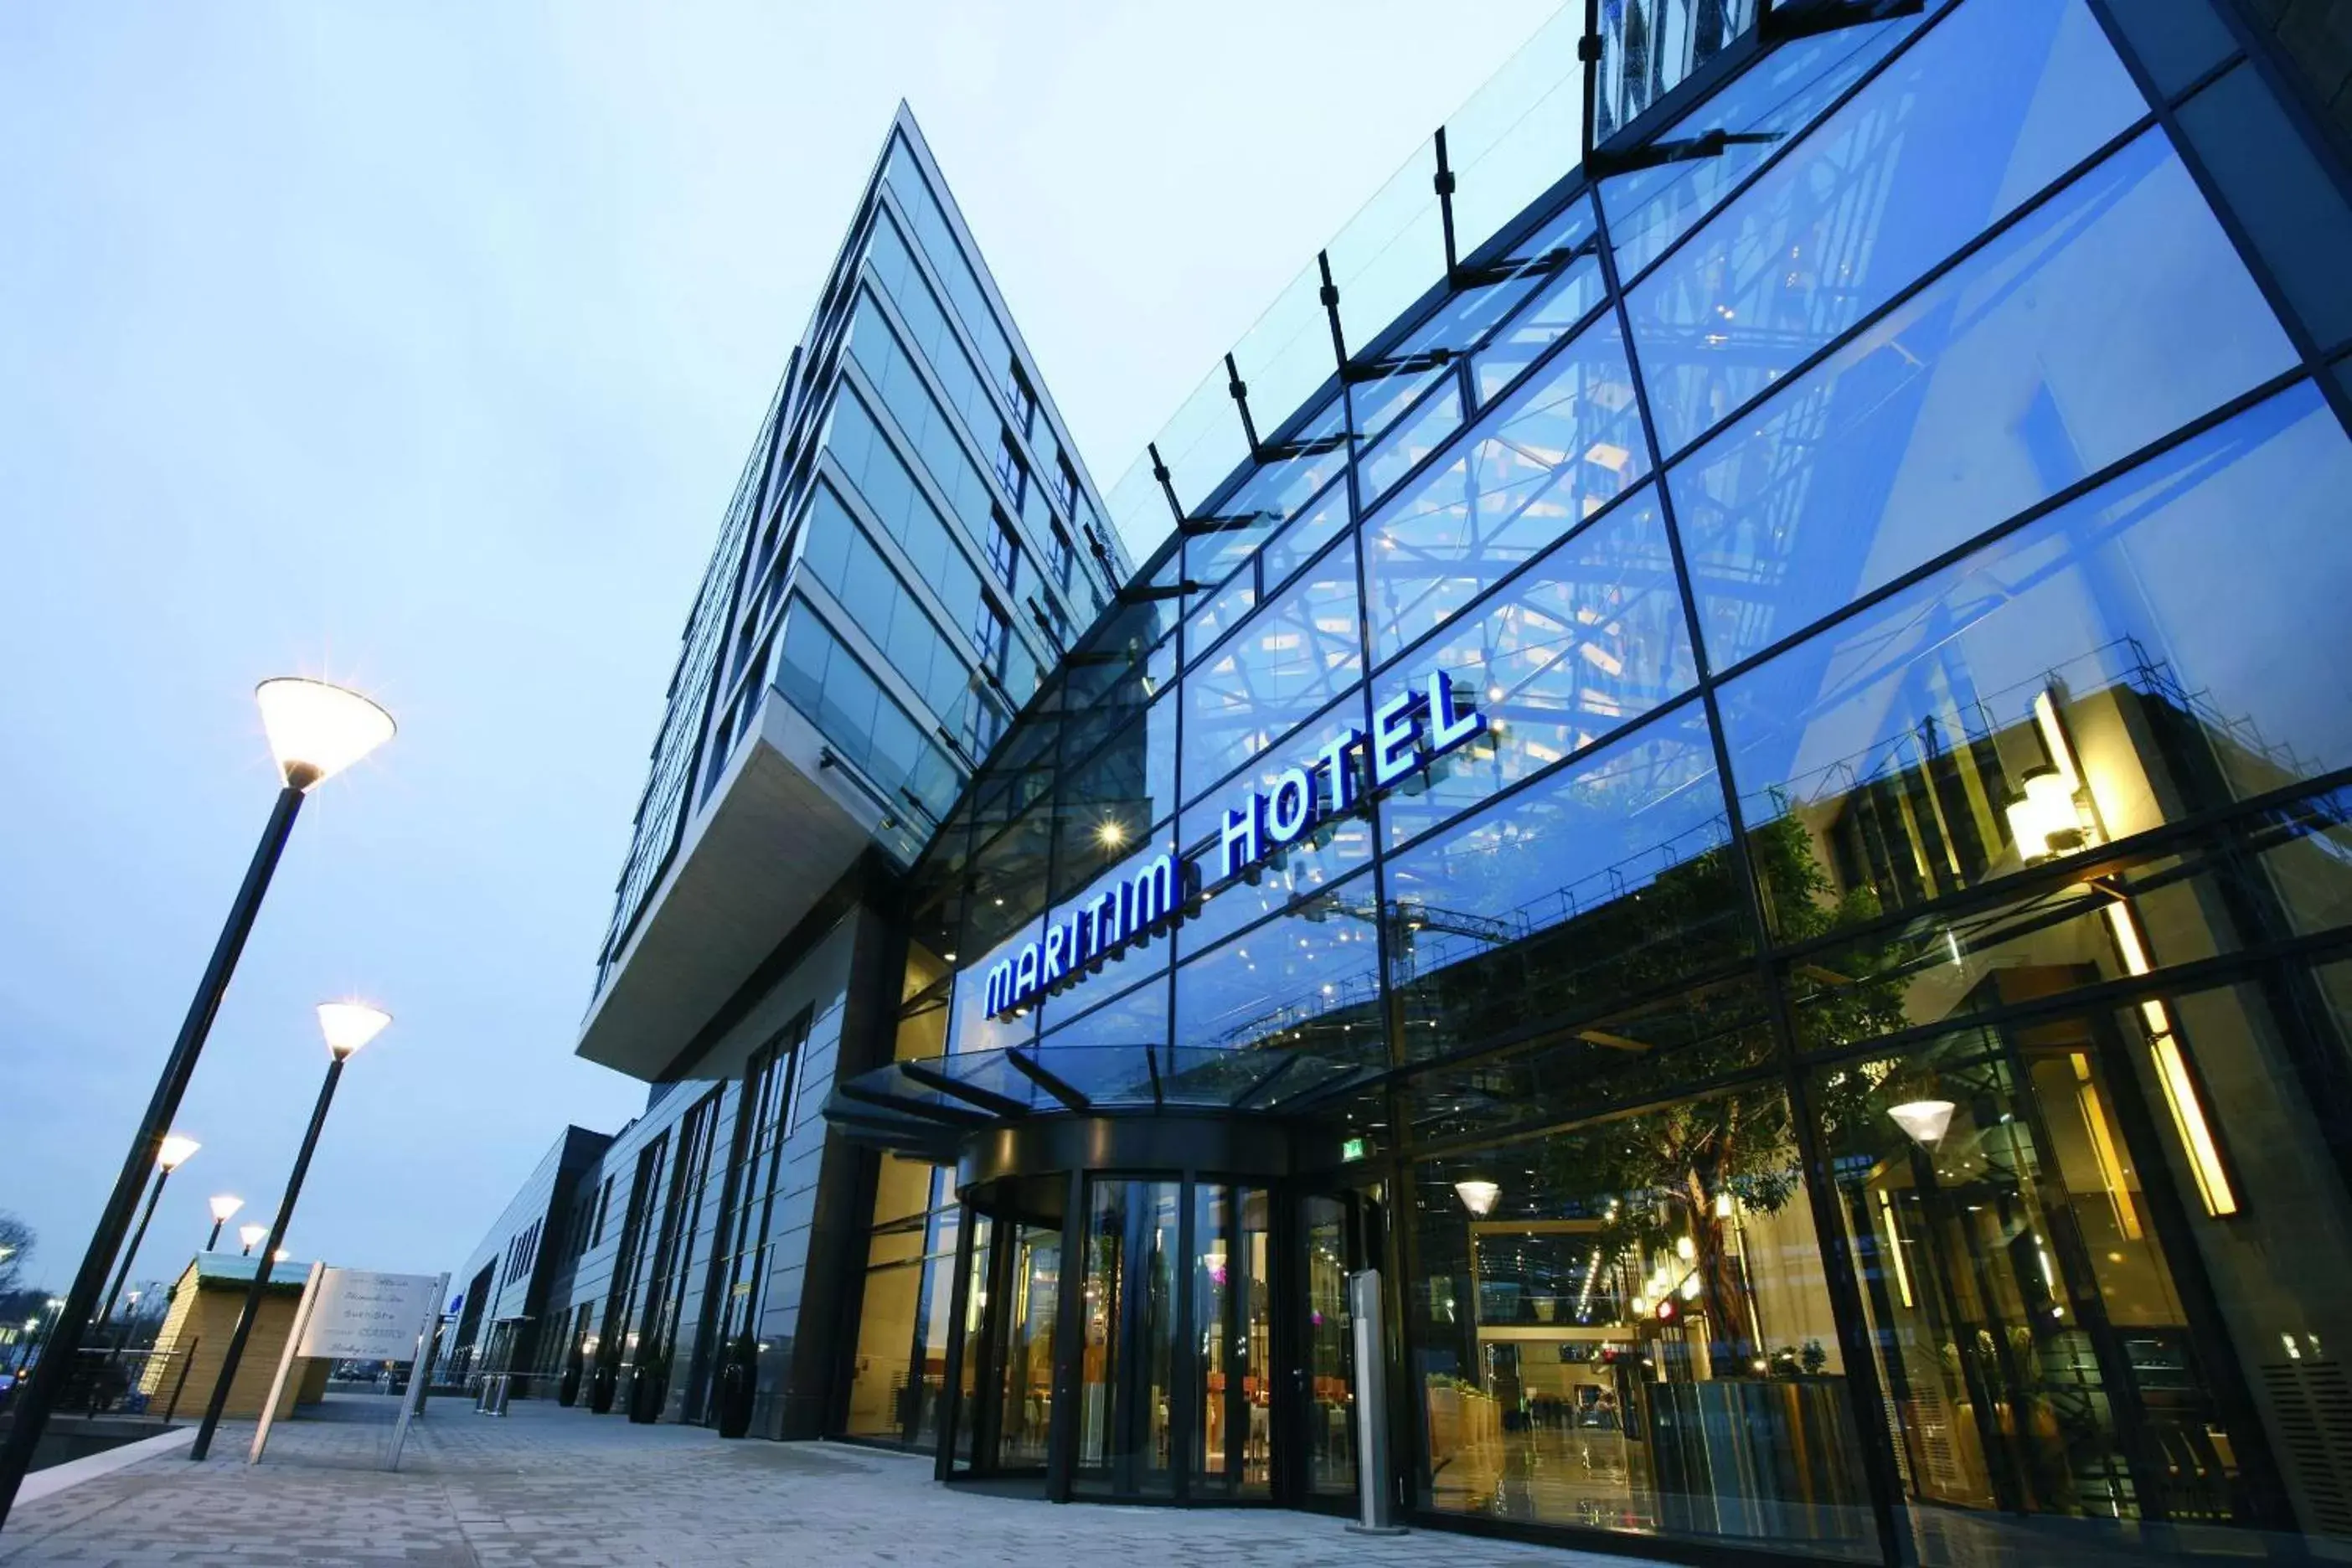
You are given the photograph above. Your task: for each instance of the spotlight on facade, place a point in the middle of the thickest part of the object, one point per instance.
(315, 730)
(2043, 820)
(1924, 1119)
(1478, 1198)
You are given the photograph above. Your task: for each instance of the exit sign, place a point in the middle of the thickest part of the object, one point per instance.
(1353, 1148)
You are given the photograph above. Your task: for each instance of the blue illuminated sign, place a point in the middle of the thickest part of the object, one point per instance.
(1410, 730)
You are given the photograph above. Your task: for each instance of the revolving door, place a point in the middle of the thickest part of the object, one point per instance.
(1157, 1336)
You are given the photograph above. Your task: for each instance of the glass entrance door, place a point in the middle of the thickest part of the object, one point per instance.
(1326, 1372)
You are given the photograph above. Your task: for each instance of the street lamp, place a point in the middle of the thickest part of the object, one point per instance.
(224, 1209)
(176, 1151)
(348, 1025)
(315, 731)
(252, 1236)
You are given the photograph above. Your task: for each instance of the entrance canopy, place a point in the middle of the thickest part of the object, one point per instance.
(928, 1109)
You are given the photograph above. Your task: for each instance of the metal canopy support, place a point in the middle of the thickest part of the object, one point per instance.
(1353, 1080)
(1240, 389)
(986, 1099)
(1330, 297)
(1376, 1512)
(1444, 186)
(1167, 485)
(1061, 1089)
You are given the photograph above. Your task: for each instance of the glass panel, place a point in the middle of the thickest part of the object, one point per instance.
(1027, 1391)
(1413, 438)
(1649, 48)
(1549, 458)
(1988, 107)
(2088, 677)
(1232, 1437)
(975, 1321)
(1777, 98)
(2072, 1235)
(1309, 981)
(1627, 1326)
(1604, 882)
(1564, 303)
(2296, 216)
(2177, 40)
(882, 1393)
(2114, 314)
(1099, 1349)
(1330, 1333)
(2277, 874)
(1291, 658)
(1583, 642)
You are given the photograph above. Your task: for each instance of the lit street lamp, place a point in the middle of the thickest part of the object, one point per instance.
(177, 1152)
(348, 1025)
(315, 731)
(224, 1209)
(252, 1236)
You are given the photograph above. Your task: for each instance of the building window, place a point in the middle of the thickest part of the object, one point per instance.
(1004, 554)
(1013, 471)
(1024, 401)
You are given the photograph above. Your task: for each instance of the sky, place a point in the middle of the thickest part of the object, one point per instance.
(418, 347)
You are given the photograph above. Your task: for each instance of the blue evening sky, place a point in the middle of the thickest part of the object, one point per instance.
(418, 346)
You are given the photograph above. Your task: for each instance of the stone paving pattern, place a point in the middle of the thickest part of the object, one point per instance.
(554, 1486)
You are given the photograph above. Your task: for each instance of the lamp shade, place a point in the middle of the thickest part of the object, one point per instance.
(1478, 1198)
(176, 1151)
(348, 1025)
(225, 1206)
(1924, 1119)
(252, 1236)
(316, 731)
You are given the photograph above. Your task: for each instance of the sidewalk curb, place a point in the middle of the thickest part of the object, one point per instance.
(56, 1479)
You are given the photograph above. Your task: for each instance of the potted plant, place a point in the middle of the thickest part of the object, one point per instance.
(647, 1389)
(739, 1379)
(602, 1387)
(567, 1392)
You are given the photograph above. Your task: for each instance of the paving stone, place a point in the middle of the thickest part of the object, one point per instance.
(552, 1486)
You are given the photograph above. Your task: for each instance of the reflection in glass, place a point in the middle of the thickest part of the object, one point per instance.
(2096, 674)
(1634, 1333)
(2029, 366)
(1588, 638)
(1233, 1437)
(1547, 459)
(1605, 881)
(1989, 105)
(1296, 654)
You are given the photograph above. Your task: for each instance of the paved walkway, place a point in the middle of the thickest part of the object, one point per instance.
(555, 1486)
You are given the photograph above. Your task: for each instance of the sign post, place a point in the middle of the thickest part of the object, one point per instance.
(294, 1330)
(419, 1369)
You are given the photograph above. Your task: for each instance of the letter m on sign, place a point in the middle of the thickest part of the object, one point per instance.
(1000, 987)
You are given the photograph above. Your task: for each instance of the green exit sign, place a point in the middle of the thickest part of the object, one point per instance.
(1353, 1148)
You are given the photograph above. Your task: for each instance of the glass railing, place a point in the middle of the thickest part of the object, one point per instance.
(1518, 136)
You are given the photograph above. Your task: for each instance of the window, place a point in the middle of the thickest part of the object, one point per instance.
(1990, 104)
(1290, 658)
(1605, 1304)
(1004, 553)
(1065, 559)
(1024, 401)
(2114, 314)
(2099, 673)
(1011, 470)
(1067, 480)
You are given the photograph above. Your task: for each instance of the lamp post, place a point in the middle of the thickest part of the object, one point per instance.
(315, 731)
(177, 1152)
(252, 1236)
(224, 1207)
(348, 1025)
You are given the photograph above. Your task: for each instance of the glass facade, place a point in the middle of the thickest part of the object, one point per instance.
(1848, 1058)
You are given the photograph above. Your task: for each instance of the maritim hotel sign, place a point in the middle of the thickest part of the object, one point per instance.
(1410, 730)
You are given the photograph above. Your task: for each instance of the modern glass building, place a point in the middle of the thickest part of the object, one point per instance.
(1728, 764)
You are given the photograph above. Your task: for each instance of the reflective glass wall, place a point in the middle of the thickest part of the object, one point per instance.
(1861, 1029)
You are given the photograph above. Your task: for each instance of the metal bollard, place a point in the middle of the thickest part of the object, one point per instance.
(1378, 1513)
